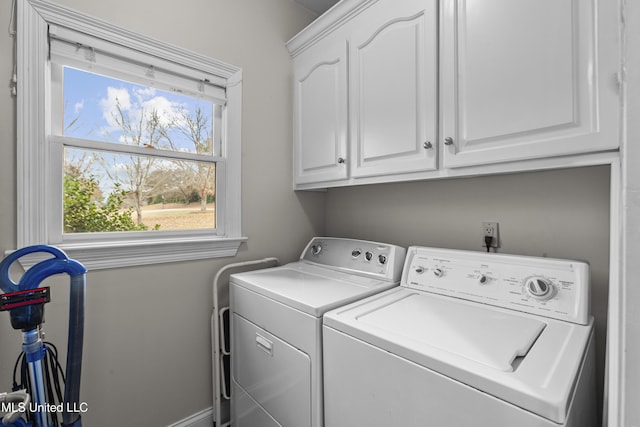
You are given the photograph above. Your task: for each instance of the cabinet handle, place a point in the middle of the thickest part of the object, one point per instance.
(448, 141)
(427, 145)
(341, 160)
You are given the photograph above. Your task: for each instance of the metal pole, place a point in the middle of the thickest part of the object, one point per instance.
(34, 351)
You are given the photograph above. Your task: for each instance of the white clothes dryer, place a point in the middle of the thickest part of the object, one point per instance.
(469, 339)
(276, 326)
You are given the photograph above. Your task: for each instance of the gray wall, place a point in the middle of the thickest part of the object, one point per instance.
(559, 214)
(147, 348)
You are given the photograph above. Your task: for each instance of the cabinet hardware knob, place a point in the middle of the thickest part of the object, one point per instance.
(448, 141)
(427, 145)
(341, 160)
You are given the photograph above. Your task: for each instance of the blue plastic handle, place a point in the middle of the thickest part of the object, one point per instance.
(17, 423)
(60, 263)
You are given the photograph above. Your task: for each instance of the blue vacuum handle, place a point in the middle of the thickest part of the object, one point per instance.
(60, 263)
(31, 279)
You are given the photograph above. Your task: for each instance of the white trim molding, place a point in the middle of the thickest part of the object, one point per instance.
(203, 418)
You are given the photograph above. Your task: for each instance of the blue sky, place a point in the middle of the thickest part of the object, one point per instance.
(91, 99)
(89, 104)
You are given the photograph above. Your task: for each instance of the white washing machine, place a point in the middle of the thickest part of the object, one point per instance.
(276, 326)
(468, 339)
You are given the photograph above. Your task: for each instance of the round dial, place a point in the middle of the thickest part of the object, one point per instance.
(539, 288)
(316, 249)
(356, 253)
(438, 272)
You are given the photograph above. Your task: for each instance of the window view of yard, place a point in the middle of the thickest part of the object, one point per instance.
(135, 157)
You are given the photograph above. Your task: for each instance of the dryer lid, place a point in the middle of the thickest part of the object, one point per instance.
(309, 288)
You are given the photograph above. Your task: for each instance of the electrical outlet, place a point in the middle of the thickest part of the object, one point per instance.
(490, 229)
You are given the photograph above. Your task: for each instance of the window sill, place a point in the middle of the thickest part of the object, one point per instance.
(114, 254)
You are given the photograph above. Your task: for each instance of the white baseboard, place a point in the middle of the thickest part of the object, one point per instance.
(203, 418)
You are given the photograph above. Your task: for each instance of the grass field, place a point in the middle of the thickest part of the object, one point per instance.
(178, 216)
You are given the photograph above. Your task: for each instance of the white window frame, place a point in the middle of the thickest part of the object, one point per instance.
(35, 163)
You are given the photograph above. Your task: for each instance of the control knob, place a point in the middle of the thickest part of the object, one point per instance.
(368, 255)
(382, 259)
(356, 253)
(316, 249)
(438, 272)
(539, 288)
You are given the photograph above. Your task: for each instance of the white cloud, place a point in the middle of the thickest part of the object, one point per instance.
(134, 103)
(78, 107)
(144, 93)
(165, 109)
(110, 104)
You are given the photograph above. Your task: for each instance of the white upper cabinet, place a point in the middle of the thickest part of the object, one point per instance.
(320, 113)
(527, 79)
(393, 88)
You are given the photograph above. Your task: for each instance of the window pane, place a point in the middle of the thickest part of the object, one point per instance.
(121, 192)
(106, 109)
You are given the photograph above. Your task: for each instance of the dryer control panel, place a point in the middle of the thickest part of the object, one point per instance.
(543, 286)
(379, 260)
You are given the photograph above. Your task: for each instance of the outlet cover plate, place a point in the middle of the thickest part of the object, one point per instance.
(490, 229)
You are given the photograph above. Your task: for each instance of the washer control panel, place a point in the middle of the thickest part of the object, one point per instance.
(372, 259)
(547, 287)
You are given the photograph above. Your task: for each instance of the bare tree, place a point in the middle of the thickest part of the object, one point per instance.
(198, 175)
(143, 131)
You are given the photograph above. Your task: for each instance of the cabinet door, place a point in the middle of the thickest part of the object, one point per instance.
(393, 57)
(320, 112)
(527, 79)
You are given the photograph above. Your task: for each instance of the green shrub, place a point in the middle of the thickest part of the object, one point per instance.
(84, 212)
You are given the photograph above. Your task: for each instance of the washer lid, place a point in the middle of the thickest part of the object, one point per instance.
(526, 360)
(309, 288)
(497, 340)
